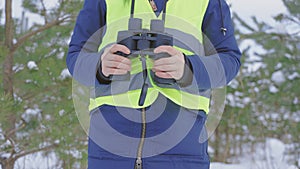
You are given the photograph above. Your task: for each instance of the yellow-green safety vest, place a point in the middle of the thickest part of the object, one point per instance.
(183, 18)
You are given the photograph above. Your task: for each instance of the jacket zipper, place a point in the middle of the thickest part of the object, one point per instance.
(138, 163)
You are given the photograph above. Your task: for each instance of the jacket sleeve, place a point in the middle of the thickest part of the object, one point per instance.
(83, 57)
(222, 61)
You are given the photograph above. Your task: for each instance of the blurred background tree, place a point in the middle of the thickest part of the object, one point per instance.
(264, 100)
(37, 113)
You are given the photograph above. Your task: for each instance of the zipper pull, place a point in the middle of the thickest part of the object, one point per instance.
(138, 163)
(153, 5)
(223, 30)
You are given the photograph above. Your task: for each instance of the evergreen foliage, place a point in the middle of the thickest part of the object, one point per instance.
(42, 108)
(264, 100)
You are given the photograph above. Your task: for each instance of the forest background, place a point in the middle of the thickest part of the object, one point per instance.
(38, 119)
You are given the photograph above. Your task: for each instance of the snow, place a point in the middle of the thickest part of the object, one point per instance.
(278, 28)
(47, 117)
(278, 66)
(57, 141)
(237, 100)
(293, 167)
(269, 155)
(5, 155)
(253, 51)
(17, 98)
(31, 113)
(61, 112)
(294, 76)
(296, 117)
(3, 145)
(18, 67)
(230, 99)
(32, 65)
(275, 148)
(210, 150)
(278, 77)
(256, 89)
(61, 55)
(65, 74)
(227, 166)
(273, 89)
(246, 100)
(1, 136)
(37, 161)
(234, 84)
(296, 101)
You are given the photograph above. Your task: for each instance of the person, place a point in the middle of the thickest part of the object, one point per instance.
(164, 130)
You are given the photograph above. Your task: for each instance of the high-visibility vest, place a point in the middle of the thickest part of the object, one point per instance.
(184, 21)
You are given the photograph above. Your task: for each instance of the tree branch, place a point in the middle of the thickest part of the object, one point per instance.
(13, 131)
(12, 151)
(35, 151)
(291, 18)
(25, 37)
(8, 24)
(44, 11)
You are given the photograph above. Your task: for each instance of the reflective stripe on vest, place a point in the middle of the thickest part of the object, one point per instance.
(185, 16)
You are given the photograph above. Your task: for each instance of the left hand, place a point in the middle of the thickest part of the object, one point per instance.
(170, 67)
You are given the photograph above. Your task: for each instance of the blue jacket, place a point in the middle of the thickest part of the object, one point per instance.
(189, 152)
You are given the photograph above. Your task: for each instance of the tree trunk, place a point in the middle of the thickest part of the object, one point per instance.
(8, 62)
(8, 164)
(227, 145)
(8, 75)
(217, 145)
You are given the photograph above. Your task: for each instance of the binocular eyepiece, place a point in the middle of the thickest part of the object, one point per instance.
(138, 39)
(142, 42)
(156, 25)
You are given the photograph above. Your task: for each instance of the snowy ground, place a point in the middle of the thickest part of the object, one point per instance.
(269, 156)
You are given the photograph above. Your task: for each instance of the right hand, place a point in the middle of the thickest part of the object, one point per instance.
(113, 64)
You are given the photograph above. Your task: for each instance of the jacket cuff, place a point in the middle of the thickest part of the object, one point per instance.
(102, 79)
(187, 76)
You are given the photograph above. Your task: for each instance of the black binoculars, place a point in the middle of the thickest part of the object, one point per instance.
(142, 42)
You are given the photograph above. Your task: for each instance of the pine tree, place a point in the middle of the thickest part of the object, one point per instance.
(264, 100)
(37, 113)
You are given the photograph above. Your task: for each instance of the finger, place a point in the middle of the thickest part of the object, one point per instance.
(117, 47)
(113, 71)
(165, 61)
(117, 65)
(165, 68)
(118, 58)
(165, 75)
(173, 74)
(168, 49)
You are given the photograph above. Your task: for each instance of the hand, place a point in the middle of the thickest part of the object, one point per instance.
(113, 64)
(170, 67)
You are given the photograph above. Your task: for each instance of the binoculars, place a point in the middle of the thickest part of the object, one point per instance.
(142, 42)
